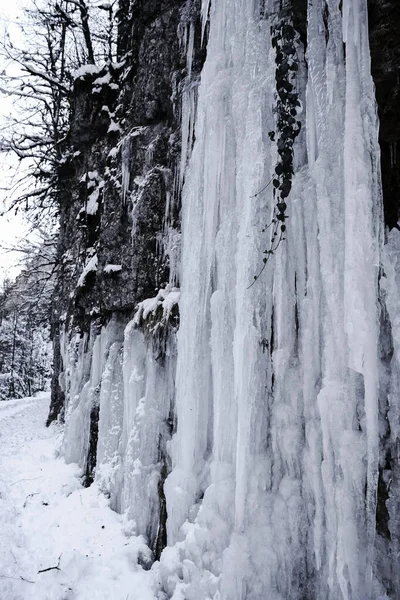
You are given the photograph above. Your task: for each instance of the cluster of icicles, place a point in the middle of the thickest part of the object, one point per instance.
(270, 410)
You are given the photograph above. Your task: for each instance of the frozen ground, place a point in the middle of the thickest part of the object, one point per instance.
(48, 519)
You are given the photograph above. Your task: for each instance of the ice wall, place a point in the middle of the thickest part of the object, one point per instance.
(277, 443)
(258, 447)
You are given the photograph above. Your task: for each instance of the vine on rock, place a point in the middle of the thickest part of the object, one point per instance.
(284, 39)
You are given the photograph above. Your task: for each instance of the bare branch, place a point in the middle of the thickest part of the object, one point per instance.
(56, 567)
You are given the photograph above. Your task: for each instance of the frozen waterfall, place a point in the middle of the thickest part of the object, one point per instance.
(266, 422)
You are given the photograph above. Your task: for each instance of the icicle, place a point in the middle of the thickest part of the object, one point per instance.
(362, 258)
(188, 119)
(125, 165)
(205, 9)
(189, 52)
(108, 470)
(272, 383)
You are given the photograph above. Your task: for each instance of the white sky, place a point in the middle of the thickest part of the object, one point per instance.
(12, 227)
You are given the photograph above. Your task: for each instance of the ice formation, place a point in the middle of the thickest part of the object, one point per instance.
(259, 433)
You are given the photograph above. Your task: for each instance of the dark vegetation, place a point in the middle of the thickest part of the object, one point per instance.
(285, 41)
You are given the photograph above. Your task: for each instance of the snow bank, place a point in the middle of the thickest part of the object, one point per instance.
(48, 520)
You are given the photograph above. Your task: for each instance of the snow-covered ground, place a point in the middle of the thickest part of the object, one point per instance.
(47, 519)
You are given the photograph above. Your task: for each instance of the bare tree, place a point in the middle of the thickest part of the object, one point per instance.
(60, 36)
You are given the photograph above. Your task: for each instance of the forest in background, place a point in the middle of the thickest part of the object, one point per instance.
(25, 346)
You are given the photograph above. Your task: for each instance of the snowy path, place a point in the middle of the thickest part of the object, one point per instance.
(45, 514)
(13, 407)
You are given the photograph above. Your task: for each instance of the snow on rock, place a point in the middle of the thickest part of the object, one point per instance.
(105, 80)
(90, 266)
(85, 70)
(112, 269)
(113, 152)
(92, 205)
(166, 299)
(114, 127)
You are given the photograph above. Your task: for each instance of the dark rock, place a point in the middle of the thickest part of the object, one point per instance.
(384, 27)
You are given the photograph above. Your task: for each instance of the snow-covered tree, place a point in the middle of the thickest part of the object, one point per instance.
(25, 350)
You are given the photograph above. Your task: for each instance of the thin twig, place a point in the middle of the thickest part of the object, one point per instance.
(29, 496)
(264, 188)
(270, 253)
(55, 568)
(32, 479)
(259, 273)
(16, 578)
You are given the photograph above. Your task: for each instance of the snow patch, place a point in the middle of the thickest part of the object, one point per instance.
(85, 70)
(91, 266)
(112, 268)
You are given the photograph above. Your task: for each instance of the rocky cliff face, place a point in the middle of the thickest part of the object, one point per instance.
(119, 217)
(260, 442)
